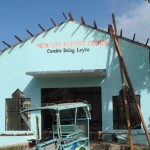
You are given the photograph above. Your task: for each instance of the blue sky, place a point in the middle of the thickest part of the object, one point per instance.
(17, 15)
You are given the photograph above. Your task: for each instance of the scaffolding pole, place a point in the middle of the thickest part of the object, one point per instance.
(121, 60)
(124, 92)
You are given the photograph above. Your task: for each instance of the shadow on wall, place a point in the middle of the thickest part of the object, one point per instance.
(139, 64)
(33, 89)
(136, 60)
(96, 35)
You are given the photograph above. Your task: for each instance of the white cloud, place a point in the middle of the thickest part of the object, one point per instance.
(136, 21)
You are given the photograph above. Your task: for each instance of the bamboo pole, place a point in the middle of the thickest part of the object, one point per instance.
(130, 86)
(114, 23)
(128, 79)
(126, 108)
(124, 92)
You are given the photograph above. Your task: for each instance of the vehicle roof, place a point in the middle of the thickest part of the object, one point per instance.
(58, 107)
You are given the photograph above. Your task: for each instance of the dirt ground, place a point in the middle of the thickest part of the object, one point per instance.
(93, 146)
(114, 146)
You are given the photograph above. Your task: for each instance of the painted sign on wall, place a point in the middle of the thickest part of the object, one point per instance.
(70, 46)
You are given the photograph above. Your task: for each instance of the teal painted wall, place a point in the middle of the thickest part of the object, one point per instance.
(35, 55)
(137, 62)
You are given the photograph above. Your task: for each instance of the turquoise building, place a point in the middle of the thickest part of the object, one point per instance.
(72, 61)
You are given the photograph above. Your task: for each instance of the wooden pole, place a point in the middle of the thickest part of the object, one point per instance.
(37, 128)
(129, 80)
(71, 17)
(121, 32)
(64, 16)
(82, 19)
(126, 107)
(6, 44)
(134, 36)
(53, 22)
(29, 32)
(41, 27)
(124, 92)
(147, 41)
(95, 25)
(114, 23)
(18, 38)
(130, 86)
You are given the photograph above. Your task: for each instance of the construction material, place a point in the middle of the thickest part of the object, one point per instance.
(82, 20)
(95, 25)
(53, 22)
(124, 93)
(121, 60)
(29, 33)
(70, 16)
(18, 38)
(6, 44)
(64, 16)
(41, 27)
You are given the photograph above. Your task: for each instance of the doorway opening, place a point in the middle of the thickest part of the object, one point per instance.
(90, 94)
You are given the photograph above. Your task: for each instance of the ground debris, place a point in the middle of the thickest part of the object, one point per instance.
(15, 147)
(112, 146)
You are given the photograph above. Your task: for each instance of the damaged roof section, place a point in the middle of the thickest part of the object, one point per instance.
(83, 23)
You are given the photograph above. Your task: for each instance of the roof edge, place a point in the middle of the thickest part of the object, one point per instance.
(80, 23)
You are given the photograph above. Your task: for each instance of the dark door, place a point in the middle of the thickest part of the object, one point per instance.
(90, 94)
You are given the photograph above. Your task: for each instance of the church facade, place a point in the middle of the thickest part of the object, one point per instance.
(72, 61)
